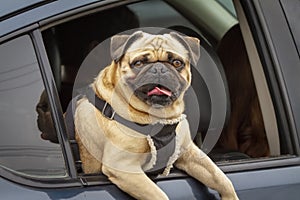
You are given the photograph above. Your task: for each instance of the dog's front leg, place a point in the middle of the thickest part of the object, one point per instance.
(199, 165)
(137, 185)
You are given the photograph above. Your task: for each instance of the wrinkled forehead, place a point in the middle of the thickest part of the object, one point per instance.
(159, 43)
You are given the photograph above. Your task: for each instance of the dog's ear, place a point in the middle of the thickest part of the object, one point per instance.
(120, 43)
(192, 44)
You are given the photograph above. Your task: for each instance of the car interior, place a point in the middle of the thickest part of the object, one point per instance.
(244, 135)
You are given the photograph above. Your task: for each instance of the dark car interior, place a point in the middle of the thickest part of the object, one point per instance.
(243, 136)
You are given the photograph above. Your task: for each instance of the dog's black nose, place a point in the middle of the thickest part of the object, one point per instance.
(158, 68)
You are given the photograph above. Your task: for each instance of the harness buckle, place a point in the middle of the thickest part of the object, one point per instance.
(103, 112)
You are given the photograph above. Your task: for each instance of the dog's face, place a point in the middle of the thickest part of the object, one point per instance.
(154, 69)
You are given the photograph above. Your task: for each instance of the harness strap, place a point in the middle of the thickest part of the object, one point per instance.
(165, 144)
(107, 110)
(163, 136)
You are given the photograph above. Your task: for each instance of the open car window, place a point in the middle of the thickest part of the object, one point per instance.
(242, 134)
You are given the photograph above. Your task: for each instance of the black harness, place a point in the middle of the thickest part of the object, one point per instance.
(163, 136)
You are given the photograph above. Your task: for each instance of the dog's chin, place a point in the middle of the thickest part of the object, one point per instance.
(155, 96)
(159, 101)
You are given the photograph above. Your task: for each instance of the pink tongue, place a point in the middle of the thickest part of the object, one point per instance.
(159, 91)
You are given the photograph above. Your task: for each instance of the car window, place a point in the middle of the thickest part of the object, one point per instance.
(243, 132)
(23, 111)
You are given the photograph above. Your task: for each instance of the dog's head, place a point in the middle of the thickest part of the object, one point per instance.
(154, 70)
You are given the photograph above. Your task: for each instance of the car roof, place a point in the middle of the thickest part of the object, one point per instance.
(9, 7)
(15, 15)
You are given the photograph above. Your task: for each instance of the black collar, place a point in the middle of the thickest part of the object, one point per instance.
(107, 110)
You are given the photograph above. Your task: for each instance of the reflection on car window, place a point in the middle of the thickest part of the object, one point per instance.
(22, 148)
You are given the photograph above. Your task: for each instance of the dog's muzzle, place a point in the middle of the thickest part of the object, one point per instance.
(158, 84)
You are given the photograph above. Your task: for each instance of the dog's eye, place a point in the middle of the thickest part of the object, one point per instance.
(138, 63)
(177, 63)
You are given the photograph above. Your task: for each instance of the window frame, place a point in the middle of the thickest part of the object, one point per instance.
(56, 110)
(280, 102)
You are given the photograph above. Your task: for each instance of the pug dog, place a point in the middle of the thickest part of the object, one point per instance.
(144, 87)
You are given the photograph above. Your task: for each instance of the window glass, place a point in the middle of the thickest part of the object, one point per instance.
(22, 100)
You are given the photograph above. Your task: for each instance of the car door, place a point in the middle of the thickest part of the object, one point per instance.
(57, 46)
